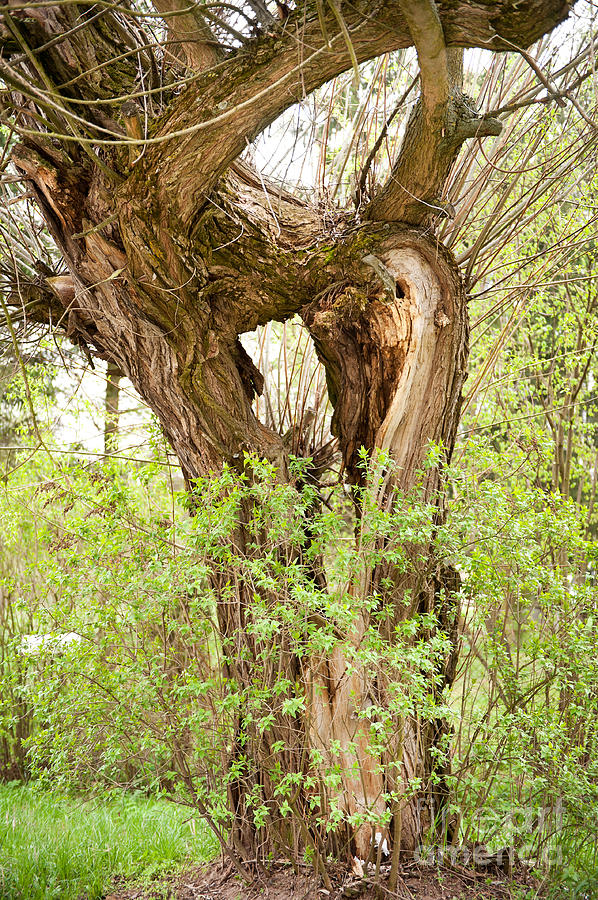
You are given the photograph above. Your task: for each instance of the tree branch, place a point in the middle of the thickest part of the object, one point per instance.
(441, 121)
(188, 34)
(425, 28)
(224, 109)
(360, 191)
(554, 94)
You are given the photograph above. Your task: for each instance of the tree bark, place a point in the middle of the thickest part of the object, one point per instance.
(395, 365)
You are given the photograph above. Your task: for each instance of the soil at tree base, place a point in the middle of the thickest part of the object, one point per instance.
(282, 883)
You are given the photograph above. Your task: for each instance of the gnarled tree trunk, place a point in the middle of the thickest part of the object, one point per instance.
(172, 248)
(395, 371)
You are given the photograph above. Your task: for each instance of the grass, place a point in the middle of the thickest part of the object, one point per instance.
(54, 846)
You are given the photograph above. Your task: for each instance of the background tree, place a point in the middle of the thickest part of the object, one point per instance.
(171, 247)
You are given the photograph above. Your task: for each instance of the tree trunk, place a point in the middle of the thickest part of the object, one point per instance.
(172, 250)
(389, 323)
(395, 373)
(111, 411)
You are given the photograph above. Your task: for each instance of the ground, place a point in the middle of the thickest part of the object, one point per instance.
(281, 883)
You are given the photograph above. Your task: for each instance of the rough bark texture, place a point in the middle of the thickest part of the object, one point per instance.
(172, 248)
(396, 363)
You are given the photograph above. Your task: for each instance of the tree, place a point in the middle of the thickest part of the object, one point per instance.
(170, 247)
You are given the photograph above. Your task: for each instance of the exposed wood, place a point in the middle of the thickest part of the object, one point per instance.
(396, 366)
(382, 357)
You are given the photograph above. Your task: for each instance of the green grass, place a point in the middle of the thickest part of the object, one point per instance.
(54, 846)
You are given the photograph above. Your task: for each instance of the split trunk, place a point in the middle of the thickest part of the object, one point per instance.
(385, 307)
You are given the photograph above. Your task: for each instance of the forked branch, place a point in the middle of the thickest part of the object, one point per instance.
(210, 123)
(441, 121)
